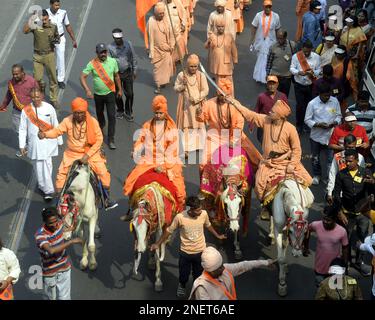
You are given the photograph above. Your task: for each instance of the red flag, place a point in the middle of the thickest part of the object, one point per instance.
(142, 7)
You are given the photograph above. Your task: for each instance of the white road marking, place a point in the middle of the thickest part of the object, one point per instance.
(18, 222)
(10, 39)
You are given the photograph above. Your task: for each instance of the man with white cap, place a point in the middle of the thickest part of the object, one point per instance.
(369, 246)
(349, 125)
(263, 35)
(338, 286)
(311, 24)
(326, 50)
(221, 12)
(123, 51)
(216, 281)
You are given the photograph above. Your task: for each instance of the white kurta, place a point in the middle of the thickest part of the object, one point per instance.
(40, 151)
(262, 45)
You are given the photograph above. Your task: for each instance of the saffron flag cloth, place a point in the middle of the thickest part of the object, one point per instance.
(142, 7)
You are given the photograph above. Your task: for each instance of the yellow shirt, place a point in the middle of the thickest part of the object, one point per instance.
(192, 236)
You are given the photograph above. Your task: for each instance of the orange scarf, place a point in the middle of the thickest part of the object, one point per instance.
(90, 130)
(42, 125)
(303, 61)
(103, 75)
(266, 31)
(17, 103)
(230, 295)
(7, 294)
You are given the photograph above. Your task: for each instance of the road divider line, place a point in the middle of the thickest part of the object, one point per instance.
(19, 220)
(10, 39)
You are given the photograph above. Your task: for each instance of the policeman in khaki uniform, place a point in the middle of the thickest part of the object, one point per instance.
(45, 37)
(338, 286)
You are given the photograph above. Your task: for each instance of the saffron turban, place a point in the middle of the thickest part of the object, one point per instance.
(220, 3)
(81, 105)
(211, 259)
(160, 104)
(159, 7)
(220, 22)
(281, 108)
(226, 85)
(193, 59)
(267, 3)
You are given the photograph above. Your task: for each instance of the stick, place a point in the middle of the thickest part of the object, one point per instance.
(178, 48)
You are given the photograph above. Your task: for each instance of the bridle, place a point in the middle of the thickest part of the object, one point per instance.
(232, 192)
(145, 214)
(65, 208)
(299, 227)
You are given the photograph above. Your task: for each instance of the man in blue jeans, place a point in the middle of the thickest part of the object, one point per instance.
(322, 114)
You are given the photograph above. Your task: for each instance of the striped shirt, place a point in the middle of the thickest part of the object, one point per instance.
(364, 118)
(58, 262)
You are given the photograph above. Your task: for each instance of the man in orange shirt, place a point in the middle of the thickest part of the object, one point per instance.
(84, 140)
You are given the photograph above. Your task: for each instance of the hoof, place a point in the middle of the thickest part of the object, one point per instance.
(93, 266)
(83, 265)
(282, 290)
(238, 255)
(158, 287)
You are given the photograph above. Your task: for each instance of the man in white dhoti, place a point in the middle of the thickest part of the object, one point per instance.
(35, 117)
(263, 35)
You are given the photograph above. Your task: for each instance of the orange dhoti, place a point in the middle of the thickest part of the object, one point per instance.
(97, 164)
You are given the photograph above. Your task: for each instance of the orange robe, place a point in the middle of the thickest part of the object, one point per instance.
(215, 137)
(289, 145)
(301, 8)
(338, 72)
(189, 99)
(179, 21)
(222, 55)
(77, 147)
(236, 14)
(163, 152)
(161, 45)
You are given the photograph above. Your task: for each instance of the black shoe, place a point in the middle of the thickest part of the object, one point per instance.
(119, 115)
(61, 85)
(111, 145)
(129, 118)
(109, 204)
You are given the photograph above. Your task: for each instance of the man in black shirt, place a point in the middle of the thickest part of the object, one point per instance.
(352, 187)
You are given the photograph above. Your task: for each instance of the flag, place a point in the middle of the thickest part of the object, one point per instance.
(142, 7)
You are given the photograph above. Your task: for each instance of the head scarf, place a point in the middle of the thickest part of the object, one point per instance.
(159, 7)
(81, 105)
(211, 259)
(160, 104)
(281, 108)
(226, 85)
(192, 59)
(220, 3)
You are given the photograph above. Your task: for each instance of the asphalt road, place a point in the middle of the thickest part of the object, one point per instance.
(113, 279)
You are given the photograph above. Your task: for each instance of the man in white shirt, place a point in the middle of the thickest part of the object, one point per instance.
(263, 35)
(59, 17)
(339, 163)
(39, 116)
(9, 272)
(322, 114)
(305, 67)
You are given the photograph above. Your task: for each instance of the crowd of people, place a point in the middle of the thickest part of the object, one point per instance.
(324, 64)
